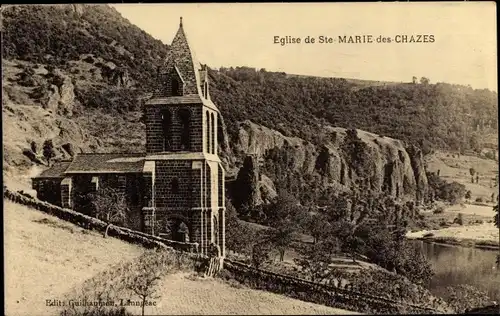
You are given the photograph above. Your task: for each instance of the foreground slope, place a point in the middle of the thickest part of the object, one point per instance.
(47, 258)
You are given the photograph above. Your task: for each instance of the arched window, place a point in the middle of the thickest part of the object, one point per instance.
(174, 185)
(176, 91)
(185, 120)
(208, 131)
(205, 88)
(166, 122)
(212, 134)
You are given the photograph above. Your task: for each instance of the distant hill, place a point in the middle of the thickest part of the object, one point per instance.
(433, 115)
(91, 70)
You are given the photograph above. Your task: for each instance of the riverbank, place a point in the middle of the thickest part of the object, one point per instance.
(483, 236)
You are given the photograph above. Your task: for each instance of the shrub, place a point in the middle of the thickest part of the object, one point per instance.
(490, 155)
(438, 188)
(463, 297)
(459, 219)
(468, 194)
(439, 210)
(480, 200)
(48, 150)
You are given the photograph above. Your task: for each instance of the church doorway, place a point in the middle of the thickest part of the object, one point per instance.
(179, 230)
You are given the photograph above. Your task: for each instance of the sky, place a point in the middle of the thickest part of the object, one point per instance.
(243, 34)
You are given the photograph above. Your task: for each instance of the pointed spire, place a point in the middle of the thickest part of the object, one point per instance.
(181, 57)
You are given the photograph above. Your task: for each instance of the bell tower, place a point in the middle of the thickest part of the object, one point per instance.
(183, 173)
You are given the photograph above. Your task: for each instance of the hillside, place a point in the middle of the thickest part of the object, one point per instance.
(79, 74)
(47, 258)
(62, 34)
(435, 115)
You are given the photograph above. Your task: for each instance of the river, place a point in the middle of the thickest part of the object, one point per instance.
(455, 265)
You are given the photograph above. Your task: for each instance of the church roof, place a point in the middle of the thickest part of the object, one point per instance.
(186, 99)
(181, 56)
(107, 163)
(56, 171)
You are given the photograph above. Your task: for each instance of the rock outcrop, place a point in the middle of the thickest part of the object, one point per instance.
(245, 191)
(60, 94)
(387, 164)
(26, 126)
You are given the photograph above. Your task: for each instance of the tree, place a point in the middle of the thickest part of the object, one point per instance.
(472, 172)
(283, 216)
(48, 150)
(144, 282)
(476, 142)
(260, 253)
(413, 264)
(282, 237)
(414, 80)
(468, 194)
(459, 219)
(424, 80)
(316, 260)
(109, 205)
(348, 212)
(239, 237)
(353, 244)
(318, 227)
(464, 296)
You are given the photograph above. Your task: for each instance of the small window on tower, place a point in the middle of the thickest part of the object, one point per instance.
(205, 88)
(174, 185)
(176, 91)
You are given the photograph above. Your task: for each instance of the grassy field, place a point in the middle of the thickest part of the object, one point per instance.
(45, 257)
(456, 168)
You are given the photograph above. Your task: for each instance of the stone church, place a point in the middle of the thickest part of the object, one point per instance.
(175, 189)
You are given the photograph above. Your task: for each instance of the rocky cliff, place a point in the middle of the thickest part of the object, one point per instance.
(387, 164)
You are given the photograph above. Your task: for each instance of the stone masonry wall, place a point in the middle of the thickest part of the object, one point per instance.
(166, 173)
(155, 134)
(164, 84)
